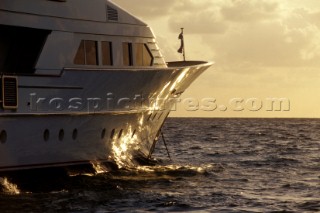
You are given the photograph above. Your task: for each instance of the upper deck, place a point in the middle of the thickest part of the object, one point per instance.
(83, 16)
(46, 36)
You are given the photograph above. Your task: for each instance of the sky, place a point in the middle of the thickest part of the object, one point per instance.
(265, 52)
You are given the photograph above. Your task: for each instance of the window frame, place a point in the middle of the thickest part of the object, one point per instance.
(85, 53)
(140, 51)
(150, 54)
(96, 56)
(134, 52)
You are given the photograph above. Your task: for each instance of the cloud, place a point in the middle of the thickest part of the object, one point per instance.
(200, 17)
(249, 10)
(147, 8)
(258, 33)
(205, 22)
(268, 44)
(266, 35)
(203, 17)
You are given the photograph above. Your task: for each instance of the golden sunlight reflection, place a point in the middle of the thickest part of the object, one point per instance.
(158, 99)
(141, 120)
(123, 148)
(198, 169)
(180, 78)
(99, 167)
(9, 187)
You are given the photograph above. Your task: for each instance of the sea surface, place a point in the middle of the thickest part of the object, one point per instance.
(217, 165)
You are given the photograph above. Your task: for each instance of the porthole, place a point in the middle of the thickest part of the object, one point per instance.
(103, 133)
(46, 135)
(75, 134)
(112, 133)
(134, 133)
(61, 135)
(3, 136)
(120, 133)
(154, 117)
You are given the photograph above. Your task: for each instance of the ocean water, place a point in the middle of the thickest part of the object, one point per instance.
(217, 165)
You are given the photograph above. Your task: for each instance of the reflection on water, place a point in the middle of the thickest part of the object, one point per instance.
(219, 165)
(8, 187)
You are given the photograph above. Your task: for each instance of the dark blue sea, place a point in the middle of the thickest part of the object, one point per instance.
(218, 165)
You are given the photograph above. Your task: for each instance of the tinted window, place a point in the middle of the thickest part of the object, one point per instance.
(106, 47)
(80, 56)
(147, 56)
(91, 52)
(127, 54)
(87, 53)
(139, 54)
(143, 55)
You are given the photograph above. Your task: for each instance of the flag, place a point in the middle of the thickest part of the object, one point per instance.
(180, 50)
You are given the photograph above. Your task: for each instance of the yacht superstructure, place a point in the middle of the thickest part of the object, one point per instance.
(81, 81)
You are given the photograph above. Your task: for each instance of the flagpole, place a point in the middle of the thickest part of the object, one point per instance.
(182, 50)
(184, 47)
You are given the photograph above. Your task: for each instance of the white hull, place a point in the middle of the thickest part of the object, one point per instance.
(60, 140)
(37, 138)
